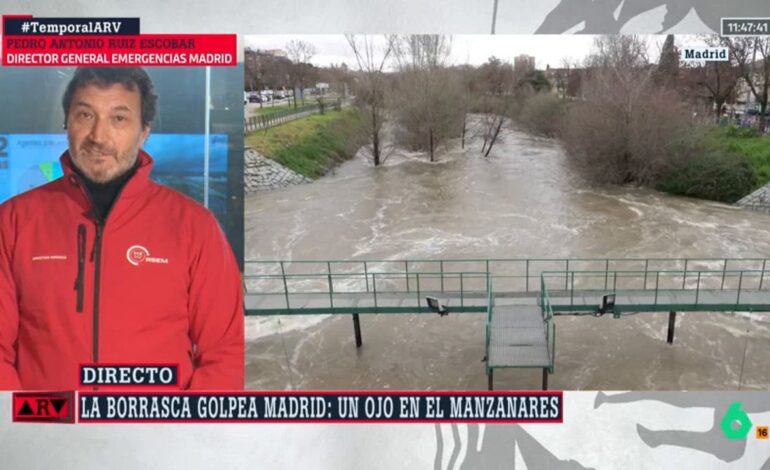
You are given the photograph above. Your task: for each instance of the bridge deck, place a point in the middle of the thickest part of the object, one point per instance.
(517, 338)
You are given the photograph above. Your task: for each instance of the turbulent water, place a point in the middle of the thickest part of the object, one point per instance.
(523, 201)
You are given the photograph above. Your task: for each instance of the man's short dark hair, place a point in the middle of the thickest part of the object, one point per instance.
(132, 78)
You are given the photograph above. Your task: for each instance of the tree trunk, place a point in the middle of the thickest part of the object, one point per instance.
(430, 133)
(302, 91)
(375, 138)
(762, 117)
(494, 136)
(465, 118)
(718, 111)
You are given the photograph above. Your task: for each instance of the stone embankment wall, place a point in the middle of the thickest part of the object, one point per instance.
(759, 200)
(262, 174)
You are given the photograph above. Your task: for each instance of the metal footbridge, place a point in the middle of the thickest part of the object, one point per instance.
(519, 297)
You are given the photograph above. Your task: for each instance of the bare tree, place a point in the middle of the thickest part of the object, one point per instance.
(752, 54)
(621, 53)
(427, 106)
(265, 71)
(497, 82)
(371, 58)
(575, 75)
(716, 81)
(626, 129)
(467, 77)
(300, 53)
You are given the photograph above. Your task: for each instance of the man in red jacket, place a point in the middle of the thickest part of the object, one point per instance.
(105, 266)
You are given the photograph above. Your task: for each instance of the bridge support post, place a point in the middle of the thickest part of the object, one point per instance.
(545, 378)
(357, 330)
(671, 326)
(490, 379)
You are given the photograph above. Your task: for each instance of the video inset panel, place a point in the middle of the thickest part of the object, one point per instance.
(427, 211)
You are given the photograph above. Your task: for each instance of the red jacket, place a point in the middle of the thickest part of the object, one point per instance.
(158, 285)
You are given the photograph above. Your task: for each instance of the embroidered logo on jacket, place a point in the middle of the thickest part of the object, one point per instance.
(137, 254)
(50, 258)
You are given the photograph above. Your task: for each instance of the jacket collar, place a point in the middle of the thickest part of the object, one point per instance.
(132, 188)
(135, 185)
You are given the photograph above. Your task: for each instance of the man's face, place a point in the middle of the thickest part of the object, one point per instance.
(104, 130)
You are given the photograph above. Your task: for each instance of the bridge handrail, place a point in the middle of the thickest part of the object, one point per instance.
(549, 323)
(360, 274)
(696, 275)
(454, 260)
(371, 288)
(526, 268)
(490, 306)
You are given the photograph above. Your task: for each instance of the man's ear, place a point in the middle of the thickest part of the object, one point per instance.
(143, 136)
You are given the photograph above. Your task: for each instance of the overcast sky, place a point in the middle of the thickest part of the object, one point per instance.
(472, 49)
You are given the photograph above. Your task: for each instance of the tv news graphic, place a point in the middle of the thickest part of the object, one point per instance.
(152, 375)
(745, 26)
(46, 407)
(321, 407)
(19, 26)
(29, 41)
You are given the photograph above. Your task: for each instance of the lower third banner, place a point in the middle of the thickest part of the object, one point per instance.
(336, 406)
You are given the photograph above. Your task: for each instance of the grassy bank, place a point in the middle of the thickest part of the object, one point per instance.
(272, 108)
(755, 148)
(311, 146)
(730, 163)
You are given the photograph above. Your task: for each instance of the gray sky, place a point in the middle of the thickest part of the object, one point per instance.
(473, 49)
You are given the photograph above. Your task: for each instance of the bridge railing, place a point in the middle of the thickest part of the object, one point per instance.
(549, 323)
(520, 276)
(375, 289)
(663, 288)
(490, 308)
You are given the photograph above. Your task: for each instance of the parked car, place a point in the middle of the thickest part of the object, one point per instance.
(254, 99)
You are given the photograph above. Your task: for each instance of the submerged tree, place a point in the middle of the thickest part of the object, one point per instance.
(497, 84)
(370, 86)
(427, 106)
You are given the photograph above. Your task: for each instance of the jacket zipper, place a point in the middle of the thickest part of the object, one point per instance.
(96, 256)
(96, 259)
(81, 268)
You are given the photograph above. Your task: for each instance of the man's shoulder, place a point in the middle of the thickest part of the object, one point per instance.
(35, 198)
(180, 204)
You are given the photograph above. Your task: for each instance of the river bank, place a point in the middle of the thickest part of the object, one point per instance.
(312, 145)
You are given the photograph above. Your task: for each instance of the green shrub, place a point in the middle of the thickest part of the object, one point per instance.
(745, 141)
(714, 174)
(739, 132)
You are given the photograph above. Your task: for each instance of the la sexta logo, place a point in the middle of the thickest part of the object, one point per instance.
(50, 407)
(735, 423)
(137, 254)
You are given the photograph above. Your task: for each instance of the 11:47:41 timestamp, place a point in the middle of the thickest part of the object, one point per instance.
(745, 26)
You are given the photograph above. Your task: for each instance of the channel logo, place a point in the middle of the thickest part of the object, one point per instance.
(47, 407)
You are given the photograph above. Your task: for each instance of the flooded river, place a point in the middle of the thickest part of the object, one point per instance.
(523, 201)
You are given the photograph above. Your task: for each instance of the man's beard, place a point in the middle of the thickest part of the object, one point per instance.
(98, 177)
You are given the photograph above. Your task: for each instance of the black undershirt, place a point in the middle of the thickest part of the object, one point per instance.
(103, 195)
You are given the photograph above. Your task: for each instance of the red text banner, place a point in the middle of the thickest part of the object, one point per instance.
(109, 50)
